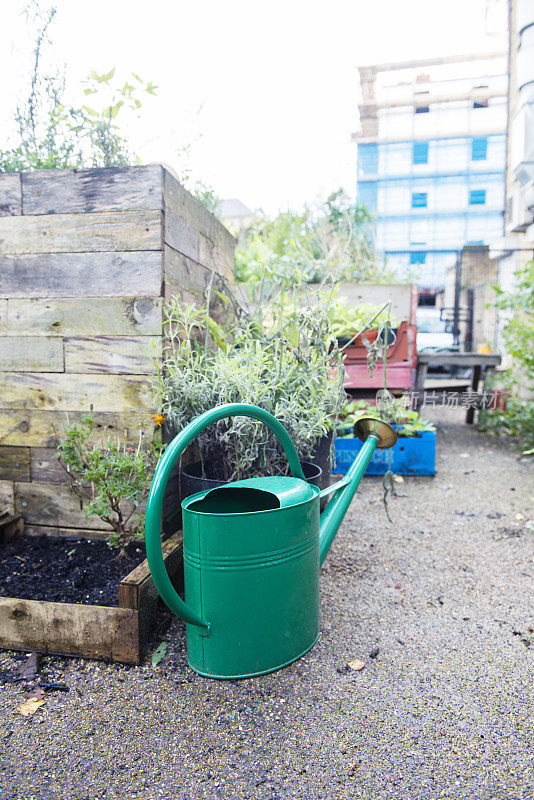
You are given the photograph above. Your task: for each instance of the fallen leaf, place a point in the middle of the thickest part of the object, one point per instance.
(29, 669)
(159, 654)
(29, 707)
(356, 664)
(398, 479)
(36, 694)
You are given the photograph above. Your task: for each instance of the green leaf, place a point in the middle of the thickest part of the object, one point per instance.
(151, 88)
(90, 111)
(159, 654)
(107, 77)
(89, 91)
(137, 78)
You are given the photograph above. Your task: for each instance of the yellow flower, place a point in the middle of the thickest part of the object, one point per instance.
(159, 419)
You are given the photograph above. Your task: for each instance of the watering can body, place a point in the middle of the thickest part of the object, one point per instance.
(254, 574)
(252, 555)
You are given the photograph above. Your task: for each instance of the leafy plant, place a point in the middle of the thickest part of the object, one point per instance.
(53, 134)
(332, 239)
(396, 411)
(348, 319)
(112, 478)
(283, 358)
(517, 306)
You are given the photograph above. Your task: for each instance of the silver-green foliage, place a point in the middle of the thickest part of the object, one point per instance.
(111, 478)
(285, 361)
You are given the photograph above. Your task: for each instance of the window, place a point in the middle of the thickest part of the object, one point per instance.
(420, 153)
(419, 199)
(417, 258)
(367, 159)
(479, 148)
(422, 109)
(477, 197)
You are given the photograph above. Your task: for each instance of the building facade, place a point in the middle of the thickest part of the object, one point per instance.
(516, 247)
(431, 160)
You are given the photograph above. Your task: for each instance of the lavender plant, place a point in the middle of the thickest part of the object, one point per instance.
(282, 357)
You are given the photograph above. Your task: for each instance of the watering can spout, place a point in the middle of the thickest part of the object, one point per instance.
(373, 433)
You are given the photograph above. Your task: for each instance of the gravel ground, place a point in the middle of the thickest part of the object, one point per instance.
(444, 709)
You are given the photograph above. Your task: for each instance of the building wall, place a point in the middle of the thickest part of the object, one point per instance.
(87, 260)
(435, 180)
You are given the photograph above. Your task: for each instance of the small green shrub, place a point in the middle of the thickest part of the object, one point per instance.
(349, 320)
(518, 307)
(396, 411)
(111, 478)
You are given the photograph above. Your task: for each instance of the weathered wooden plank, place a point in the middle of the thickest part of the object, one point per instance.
(119, 355)
(180, 234)
(186, 297)
(90, 316)
(187, 207)
(80, 274)
(81, 233)
(182, 272)
(138, 591)
(3, 316)
(182, 203)
(7, 496)
(172, 554)
(217, 255)
(54, 505)
(44, 466)
(68, 533)
(70, 629)
(140, 580)
(31, 353)
(59, 392)
(29, 428)
(10, 194)
(14, 464)
(85, 190)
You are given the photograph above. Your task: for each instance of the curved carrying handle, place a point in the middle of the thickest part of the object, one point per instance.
(161, 477)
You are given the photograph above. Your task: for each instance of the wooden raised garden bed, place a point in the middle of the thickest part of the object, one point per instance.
(117, 633)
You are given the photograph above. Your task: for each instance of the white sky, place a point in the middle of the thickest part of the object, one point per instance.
(277, 81)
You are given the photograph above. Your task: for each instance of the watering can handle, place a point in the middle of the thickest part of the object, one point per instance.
(159, 482)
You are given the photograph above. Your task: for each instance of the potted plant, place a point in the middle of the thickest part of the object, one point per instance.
(415, 450)
(283, 358)
(353, 322)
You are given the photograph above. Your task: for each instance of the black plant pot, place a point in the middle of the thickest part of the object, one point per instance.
(191, 480)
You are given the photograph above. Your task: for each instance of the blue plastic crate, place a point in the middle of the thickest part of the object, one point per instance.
(413, 455)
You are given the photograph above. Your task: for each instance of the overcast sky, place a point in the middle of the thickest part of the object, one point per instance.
(276, 83)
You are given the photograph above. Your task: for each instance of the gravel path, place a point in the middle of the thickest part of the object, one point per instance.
(445, 709)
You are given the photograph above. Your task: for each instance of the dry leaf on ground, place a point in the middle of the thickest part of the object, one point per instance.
(29, 707)
(29, 668)
(356, 664)
(36, 694)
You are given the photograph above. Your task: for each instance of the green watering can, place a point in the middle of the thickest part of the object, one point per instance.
(252, 553)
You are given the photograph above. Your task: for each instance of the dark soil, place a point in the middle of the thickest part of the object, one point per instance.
(65, 570)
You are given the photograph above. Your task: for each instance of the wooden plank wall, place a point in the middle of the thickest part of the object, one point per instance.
(87, 260)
